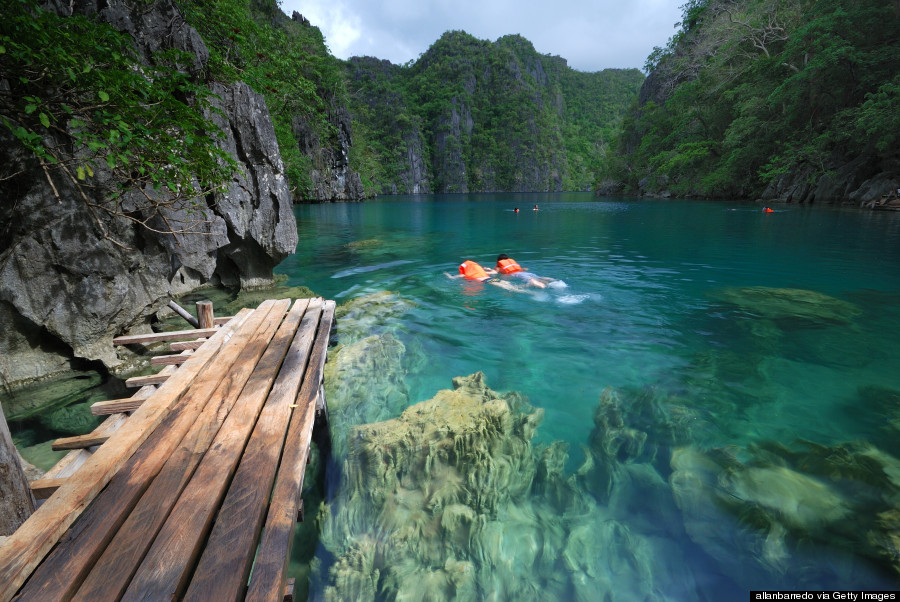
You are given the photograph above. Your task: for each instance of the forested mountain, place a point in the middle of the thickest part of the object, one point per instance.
(792, 100)
(471, 115)
(287, 61)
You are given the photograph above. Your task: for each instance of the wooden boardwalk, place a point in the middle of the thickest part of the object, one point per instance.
(198, 485)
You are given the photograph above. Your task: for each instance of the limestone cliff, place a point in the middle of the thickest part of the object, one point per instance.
(70, 280)
(477, 116)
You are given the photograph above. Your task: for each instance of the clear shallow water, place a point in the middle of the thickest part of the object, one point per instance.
(650, 309)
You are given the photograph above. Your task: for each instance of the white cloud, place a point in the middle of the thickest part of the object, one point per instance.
(590, 34)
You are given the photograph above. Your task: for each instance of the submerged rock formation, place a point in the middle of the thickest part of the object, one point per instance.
(68, 283)
(774, 516)
(451, 501)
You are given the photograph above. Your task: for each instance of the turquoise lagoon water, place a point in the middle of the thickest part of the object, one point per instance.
(785, 477)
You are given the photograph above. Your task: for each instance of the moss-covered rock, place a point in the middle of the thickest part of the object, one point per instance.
(799, 305)
(43, 397)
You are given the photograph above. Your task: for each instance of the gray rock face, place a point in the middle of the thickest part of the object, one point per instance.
(332, 178)
(860, 181)
(69, 281)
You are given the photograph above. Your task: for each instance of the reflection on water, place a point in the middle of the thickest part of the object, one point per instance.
(710, 406)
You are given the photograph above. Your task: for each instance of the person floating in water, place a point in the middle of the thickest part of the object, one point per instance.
(509, 266)
(473, 271)
(768, 210)
(516, 209)
(535, 208)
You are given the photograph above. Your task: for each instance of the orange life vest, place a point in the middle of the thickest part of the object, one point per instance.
(508, 266)
(472, 271)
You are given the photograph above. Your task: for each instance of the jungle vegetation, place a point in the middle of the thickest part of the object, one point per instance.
(748, 91)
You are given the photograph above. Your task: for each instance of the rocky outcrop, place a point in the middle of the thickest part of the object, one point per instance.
(332, 178)
(861, 181)
(70, 281)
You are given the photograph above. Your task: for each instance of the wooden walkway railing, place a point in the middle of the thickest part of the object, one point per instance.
(196, 487)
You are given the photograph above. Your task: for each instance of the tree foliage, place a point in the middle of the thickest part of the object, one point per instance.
(749, 90)
(79, 97)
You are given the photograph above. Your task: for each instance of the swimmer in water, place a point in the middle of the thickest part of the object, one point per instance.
(472, 271)
(509, 266)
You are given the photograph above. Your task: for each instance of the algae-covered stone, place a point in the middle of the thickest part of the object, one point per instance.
(43, 397)
(75, 419)
(428, 485)
(361, 316)
(789, 303)
(364, 382)
(770, 516)
(42, 455)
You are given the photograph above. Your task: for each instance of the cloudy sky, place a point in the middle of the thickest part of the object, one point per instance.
(591, 34)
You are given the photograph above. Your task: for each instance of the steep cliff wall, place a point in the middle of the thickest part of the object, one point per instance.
(478, 116)
(792, 102)
(72, 277)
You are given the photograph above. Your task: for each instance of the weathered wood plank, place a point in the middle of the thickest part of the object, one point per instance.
(223, 568)
(268, 577)
(79, 442)
(23, 550)
(111, 574)
(221, 320)
(116, 406)
(169, 360)
(172, 335)
(289, 590)
(44, 488)
(187, 345)
(149, 379)
(163, 573)
(73, 460)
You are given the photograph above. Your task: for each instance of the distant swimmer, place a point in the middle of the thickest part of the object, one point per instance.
(535, 208)
(509, 266)
(516, 209)
(768, 210)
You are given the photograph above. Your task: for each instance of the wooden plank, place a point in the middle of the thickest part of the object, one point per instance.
(111, 574)
(187, 345)
(73, 460)
(25, 549)
(150, 379)
(169, 360)
(44, 488)
(163, 573)
(268, 577)
(79, 442)
(225, 564)
(221, 320)
(172, 335)
(289, 590)
(116, 406)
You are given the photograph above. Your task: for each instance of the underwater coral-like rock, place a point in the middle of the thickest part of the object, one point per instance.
(427, 484)
(75, 419)
(360, 316)
(789, 303)
(450, 501)
(364, 382)
(769, 518)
